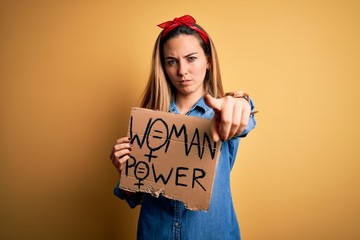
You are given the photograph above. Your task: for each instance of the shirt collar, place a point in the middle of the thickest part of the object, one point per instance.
(199, 105)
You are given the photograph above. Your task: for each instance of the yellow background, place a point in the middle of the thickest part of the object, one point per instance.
(71, 70)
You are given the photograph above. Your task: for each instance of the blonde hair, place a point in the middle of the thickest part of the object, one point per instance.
(159, 91)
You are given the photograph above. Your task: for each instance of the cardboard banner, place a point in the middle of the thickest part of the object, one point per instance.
(173, 155)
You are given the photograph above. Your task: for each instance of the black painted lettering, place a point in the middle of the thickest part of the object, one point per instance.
(194, 141)
(141, 170)
(161, 176)
(177, 134)
(157, 127)
(212, 149)
(129, 164)
(135, 137)
(197, 174)
(179, 175)
(150, 156)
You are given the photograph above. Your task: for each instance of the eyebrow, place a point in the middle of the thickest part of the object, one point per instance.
(191, 54)
(188, 55)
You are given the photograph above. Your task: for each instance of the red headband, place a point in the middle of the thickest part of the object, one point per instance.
(185, 20)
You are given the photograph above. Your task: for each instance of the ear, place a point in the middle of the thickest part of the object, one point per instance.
(208, 62)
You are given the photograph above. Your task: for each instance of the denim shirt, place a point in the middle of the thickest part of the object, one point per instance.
(163, 218)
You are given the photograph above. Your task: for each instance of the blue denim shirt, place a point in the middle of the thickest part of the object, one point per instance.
(163, 218)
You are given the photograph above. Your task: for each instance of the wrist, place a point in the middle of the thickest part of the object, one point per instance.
(239, 94)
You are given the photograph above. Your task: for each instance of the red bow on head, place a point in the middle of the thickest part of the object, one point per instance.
(186, 20)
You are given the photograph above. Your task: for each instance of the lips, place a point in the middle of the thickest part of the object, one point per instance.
(184, 82)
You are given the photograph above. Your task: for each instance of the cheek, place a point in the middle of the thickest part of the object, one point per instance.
(171, 74)
(169, 71)
(200, 69)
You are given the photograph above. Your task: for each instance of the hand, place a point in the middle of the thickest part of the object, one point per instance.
(231, 116)
(121, 152)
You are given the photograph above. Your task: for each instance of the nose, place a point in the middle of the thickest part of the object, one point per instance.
(183, 68)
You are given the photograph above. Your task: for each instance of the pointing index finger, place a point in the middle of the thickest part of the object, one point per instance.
(214, 103)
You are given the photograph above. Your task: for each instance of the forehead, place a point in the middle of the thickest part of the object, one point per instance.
(182, 44)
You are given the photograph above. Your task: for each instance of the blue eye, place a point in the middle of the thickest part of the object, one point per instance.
(171, 62)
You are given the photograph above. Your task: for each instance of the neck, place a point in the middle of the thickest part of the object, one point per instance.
(185, 102)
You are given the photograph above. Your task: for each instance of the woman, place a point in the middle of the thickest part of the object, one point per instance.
(185, 79)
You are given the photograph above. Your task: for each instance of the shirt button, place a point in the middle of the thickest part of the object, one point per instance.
(177, 224)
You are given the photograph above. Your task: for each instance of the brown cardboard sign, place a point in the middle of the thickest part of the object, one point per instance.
(173, 155)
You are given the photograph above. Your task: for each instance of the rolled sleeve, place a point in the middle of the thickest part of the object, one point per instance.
(252, 122)
(132, 200)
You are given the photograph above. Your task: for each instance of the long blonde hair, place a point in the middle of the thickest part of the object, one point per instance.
(159, 90)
